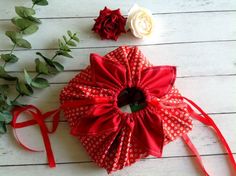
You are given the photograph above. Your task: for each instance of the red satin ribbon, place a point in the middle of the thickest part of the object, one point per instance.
(195, 152)
(205, 119)
(39, 118)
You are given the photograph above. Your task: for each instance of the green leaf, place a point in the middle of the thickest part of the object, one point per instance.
(63, 46)
(21, 23)
(5, 75)
(40, 2)
(3, 128)
(58, 66)
(31, 29)
(14, 36)
(64, 53)
(11, 58)
(39, 83)
(75, 38)
(6, 117)
(52, 70)
(23, 43)
(41, 67)
(33, 19)
(27, 77)
(4, 89)
(23, 89)
(70, 33)
(25, 25)
(24, 11)
(71, 43)
(48, 61)
(65, 39)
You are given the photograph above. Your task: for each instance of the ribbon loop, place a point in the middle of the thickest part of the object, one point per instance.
(38, 118)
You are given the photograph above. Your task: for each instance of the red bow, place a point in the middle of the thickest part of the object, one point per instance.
(148, 130)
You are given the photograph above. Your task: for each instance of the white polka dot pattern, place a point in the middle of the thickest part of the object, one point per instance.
(118, 149)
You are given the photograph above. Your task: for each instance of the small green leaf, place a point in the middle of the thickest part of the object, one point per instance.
(11, 58)
(58, 66)
(65, 39)
(27, 77)
(23, 43)
(48, 61)
(5, 75)
(21, 23)
(75, 38)
(24, 11)
(6, 117)
(40, 2)
(23, 89)
(3, 128)
(25, 25)
(14, 36)
(31, 29)
(39, 83)
(52, 70)
(70, 33)
(71, 43)
(4, 89)
(33, 19)
(62, 46)
(64, 53)
(41, 67)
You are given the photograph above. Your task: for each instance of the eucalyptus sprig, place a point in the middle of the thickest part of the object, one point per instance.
(44, 66)
(25, 24)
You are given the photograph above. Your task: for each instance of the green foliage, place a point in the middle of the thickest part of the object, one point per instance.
(26, 24)
(40, 2)
(5, 75)
(9, 58)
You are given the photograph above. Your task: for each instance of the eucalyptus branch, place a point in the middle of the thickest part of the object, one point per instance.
(26, 24)
(46, 66)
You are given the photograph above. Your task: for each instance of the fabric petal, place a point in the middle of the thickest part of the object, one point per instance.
(158, 80)
(94, 125)
(107, 73)
(148, 132)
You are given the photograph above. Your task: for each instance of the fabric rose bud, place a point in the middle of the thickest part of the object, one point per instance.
(110, 24)
(140, 21)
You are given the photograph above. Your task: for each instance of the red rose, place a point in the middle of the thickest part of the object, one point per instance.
(110, 24)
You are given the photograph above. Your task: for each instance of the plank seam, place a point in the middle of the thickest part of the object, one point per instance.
(160, 13)
(113, 46)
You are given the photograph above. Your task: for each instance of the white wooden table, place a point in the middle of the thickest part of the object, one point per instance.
(198, 36)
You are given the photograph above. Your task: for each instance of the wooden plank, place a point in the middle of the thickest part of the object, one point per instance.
(68, 149)
(216, 165)
(208, 92)
(170, 28)
(192, 59)
(73, 8)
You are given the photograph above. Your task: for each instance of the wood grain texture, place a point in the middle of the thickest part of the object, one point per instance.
(198, 36)
(172, 28)
(74, 8)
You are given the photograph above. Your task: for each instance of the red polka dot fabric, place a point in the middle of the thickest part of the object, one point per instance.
(114, 150)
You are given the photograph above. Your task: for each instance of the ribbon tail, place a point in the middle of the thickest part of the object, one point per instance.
(195, 152)
(38, 118)
(205, 119)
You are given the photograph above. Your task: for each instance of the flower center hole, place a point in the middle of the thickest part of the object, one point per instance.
(133, 97)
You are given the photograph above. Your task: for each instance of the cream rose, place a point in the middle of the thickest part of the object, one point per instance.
(140, 21)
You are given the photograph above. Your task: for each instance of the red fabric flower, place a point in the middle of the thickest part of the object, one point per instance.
(115, 139)
(110, 24)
